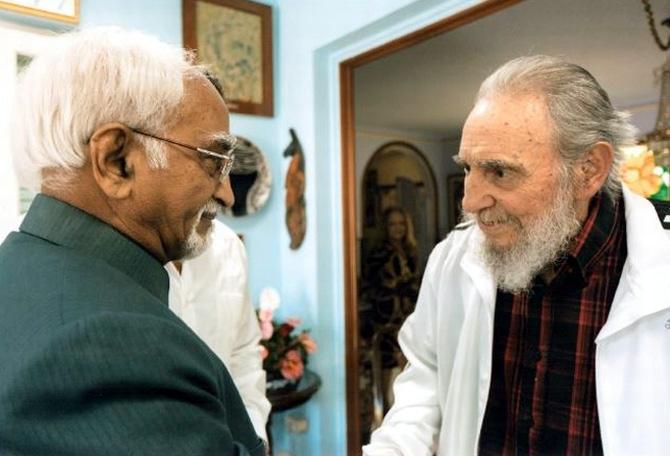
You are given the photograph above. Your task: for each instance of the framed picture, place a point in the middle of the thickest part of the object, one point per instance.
(56, 10)
(454, 199)
(234, 38)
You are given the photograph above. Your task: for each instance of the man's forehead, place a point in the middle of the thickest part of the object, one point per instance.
(481, 107)
(483, 157)
(203, 111)
(198, 91)
(508, 123)
(522, 108)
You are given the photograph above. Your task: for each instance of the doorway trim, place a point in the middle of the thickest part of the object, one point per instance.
(348, 167)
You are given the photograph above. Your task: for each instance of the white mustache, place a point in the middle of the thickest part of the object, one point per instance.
(493, 216)
(211, 207)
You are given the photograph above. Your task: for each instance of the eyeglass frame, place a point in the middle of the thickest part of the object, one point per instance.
(227, 159)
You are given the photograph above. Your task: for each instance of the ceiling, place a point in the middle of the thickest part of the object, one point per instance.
(428, 88)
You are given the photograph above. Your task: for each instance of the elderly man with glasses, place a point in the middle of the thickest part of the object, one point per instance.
(130, 145)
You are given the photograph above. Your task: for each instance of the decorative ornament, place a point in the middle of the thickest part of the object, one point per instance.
(250, 179)
(296, 219)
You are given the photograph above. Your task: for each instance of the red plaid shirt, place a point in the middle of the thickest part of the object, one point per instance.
(542, 398)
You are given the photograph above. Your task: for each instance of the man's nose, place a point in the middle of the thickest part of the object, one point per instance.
(476, 194)
(224, 193)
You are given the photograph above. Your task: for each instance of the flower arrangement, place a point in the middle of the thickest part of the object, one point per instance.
(642, 175)
(284, 352)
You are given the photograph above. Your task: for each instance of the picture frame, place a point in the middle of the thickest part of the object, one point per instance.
(455, 192)
(234, 38)
(61, 10)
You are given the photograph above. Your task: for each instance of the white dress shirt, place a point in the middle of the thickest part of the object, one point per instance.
(211, 296)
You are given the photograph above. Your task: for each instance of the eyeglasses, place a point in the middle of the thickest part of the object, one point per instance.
(216, 164)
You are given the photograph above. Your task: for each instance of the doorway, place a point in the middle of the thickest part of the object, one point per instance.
(358, 420)
(608, 37)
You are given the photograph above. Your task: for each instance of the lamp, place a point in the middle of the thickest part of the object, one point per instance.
(647, 170)
(659, 140)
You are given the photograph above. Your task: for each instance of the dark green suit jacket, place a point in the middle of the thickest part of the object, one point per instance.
(92, 361)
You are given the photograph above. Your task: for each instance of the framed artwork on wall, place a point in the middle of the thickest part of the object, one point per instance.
(56, 10)
(454, 199)
(234, 38)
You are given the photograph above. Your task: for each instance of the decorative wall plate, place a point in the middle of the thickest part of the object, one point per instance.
(250, 179)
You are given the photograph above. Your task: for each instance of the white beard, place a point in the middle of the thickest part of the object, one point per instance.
(541, 243)
(197, 243)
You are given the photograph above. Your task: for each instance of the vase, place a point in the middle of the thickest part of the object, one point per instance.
(276, 383)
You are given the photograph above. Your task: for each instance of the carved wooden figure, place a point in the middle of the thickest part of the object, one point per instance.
(296, 220)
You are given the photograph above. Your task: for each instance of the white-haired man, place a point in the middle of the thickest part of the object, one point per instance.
(542, 323)
(129, 142)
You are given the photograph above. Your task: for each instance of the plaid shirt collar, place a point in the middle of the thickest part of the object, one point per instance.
(592, 240)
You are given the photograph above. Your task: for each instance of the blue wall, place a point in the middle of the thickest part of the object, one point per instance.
(162, 19)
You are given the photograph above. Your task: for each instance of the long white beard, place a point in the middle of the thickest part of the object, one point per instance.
(539, 244)
(197, 243)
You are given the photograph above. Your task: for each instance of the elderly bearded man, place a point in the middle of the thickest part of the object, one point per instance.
(130, 143)
(542, 323)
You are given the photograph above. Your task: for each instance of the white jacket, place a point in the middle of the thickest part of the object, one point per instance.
(441, 396)
(212, 297)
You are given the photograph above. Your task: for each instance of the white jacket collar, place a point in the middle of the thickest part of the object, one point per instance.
(644, 287)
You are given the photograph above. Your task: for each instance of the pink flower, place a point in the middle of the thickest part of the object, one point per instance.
(265, 315)
(264, 352)
(269, 299)
(293, 321)
(266, 329)
(291, 365)
(307, 342)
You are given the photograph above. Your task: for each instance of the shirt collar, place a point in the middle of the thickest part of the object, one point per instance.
(63, 224)
(595, 236)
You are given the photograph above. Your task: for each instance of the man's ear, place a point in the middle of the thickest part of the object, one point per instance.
(110, 161)
(592, 170)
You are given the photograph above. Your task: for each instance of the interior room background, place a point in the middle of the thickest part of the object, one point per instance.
(311, 39)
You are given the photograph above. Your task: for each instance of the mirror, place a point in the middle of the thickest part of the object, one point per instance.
(398, 230)
(250, 179)
(398, 175)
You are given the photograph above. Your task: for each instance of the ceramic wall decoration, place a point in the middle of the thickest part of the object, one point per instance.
(250, 179)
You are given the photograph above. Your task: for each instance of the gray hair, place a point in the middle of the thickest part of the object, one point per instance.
(579, 107)
(87, 78)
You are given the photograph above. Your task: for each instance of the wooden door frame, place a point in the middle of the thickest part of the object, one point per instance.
(348, 134)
